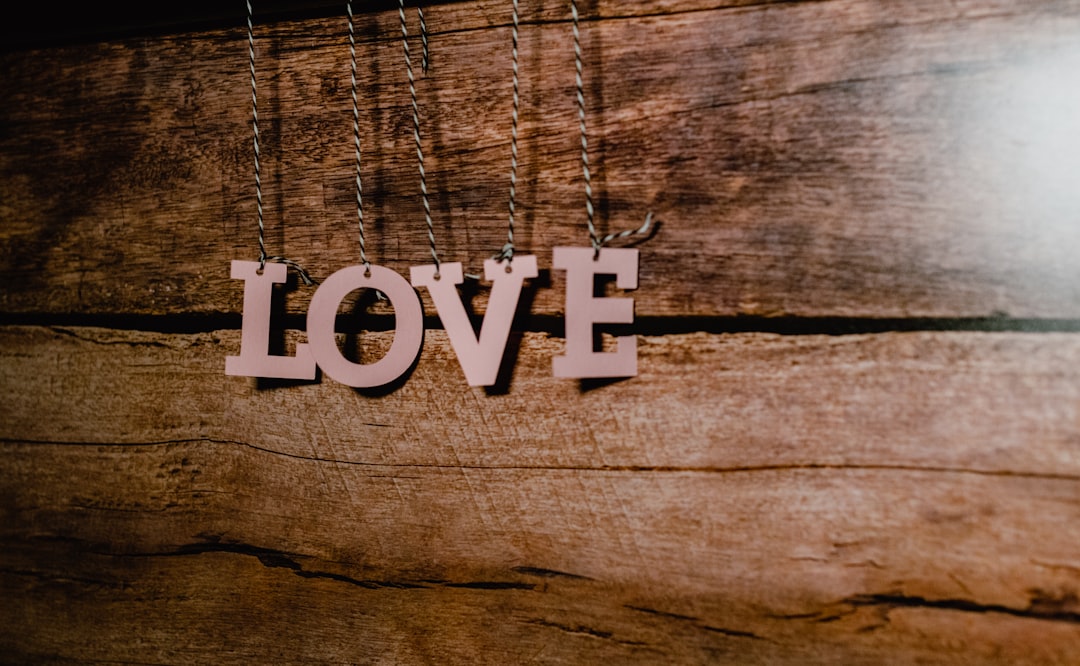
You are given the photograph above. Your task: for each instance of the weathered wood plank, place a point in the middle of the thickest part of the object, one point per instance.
(902, 497)
(983, 402)
(849, 158)
(190, 552)
(124, 610)
(749, 498)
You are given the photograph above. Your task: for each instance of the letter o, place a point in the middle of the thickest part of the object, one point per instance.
(408, 326)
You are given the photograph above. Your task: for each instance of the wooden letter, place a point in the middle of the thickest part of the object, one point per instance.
(254, 359)
(479, 356)
(408, 324)
(583, 310)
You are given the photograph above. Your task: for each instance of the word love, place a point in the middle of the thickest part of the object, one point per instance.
(479, 356)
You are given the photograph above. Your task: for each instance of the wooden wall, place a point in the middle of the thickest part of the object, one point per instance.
(855, 437)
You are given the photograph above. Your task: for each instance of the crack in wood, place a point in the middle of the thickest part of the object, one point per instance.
(579, 629)
(492, 585)
(653, 611)
(1043, 606)
(733, 633)
(634, 469)
(64, 331)
(548, 573)
(582, 630)
(278, 559)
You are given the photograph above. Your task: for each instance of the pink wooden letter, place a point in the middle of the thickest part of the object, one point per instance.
(583, 310)
(254, 359)
(408, 324)
(479, 357)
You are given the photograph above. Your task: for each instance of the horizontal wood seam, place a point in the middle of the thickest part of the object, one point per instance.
(553, 324)
(635, 469)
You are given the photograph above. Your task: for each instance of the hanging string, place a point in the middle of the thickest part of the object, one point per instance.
(424, 60)
(416, 133)
(596, 241)
(356, 141)
(507, 251)
(255, 124)
(258, 179)
(581, 124)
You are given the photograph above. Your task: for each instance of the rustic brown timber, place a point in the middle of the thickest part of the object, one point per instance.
(750, 498)
(842, 158)
(957, 400)
(907, 493)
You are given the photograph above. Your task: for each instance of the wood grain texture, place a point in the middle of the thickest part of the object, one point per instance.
(749, 498)
(797, 566)
(894, 497)
(841, 158)
(972, 401)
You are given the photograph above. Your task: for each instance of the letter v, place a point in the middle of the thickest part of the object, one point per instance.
(479, 357)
